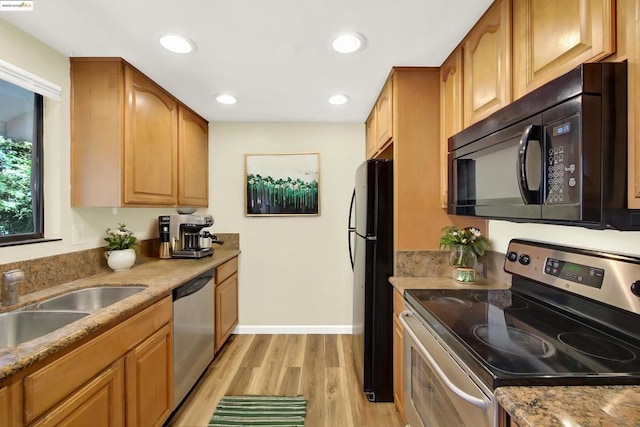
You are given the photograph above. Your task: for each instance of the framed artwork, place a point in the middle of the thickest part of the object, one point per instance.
(282, 184)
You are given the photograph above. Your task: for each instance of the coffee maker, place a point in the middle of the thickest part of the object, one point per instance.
(181, 237)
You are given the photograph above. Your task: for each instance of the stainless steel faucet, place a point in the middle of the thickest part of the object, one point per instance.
(10, 281)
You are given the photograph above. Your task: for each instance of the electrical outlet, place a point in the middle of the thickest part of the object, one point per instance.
(77, 234)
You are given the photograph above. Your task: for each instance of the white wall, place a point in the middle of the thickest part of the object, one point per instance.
(295, 273)
(500, 232)
(32, 55)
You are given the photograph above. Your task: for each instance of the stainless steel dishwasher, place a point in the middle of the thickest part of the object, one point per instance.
(193, 332)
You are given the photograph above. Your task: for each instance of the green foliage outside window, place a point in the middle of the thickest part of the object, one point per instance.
(16, 209)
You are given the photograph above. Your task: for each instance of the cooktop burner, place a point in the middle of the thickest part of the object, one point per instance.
(599, 347)
(514, 341)
(509, 304)
(451, 302)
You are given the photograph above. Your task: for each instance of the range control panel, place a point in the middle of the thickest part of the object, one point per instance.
(608, 277)
(578, 273)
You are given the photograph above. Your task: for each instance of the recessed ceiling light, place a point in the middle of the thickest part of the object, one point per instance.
(226, 99)
(338, 99)
(177, 44)
(348, 43)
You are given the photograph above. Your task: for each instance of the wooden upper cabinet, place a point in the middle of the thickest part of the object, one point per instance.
(151, 142)
(384, 115)
(370, 135)
(125, 132)
(193, 159)
(487, 63)
(552, 37)
(450, 112)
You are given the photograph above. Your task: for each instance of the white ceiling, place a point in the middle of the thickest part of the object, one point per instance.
(273, 55)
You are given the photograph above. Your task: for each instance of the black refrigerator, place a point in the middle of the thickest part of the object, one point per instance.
(371, 250)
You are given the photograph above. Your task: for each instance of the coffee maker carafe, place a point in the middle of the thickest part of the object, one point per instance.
(181, 233)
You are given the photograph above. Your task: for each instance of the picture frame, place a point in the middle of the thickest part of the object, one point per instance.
(282, 184)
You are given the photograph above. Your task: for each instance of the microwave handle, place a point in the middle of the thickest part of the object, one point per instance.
(529, 133)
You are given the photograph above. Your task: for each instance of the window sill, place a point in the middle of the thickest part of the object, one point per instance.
(28, 242)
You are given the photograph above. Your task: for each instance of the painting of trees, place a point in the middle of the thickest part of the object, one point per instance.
(282, 184)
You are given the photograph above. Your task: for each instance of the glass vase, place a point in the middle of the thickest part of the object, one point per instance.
(463, 262)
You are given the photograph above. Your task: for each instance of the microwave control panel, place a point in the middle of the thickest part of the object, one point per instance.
(562, 164)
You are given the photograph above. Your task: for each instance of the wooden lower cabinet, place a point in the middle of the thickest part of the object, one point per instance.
(122, 376)
(226, 301)
(98, 403)
(149, 380)
(398, 360)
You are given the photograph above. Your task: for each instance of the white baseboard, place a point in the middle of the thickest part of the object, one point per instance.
(293, 329)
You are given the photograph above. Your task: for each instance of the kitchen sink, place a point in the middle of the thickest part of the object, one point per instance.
(21, 326)
(89, 299)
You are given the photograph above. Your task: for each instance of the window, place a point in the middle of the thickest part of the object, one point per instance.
(21, 201)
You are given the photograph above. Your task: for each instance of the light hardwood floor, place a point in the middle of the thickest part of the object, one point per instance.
(319, 367)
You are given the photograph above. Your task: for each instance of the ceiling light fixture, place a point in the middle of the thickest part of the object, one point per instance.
(177, 44)
(226, 99)
(348, 42)
(338, 99)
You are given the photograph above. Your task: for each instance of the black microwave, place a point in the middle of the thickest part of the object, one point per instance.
(557, 155)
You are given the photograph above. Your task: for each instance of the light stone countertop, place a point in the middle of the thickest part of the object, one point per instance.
(160, 277)
(404, 283)
(571, 406)
(542, 406)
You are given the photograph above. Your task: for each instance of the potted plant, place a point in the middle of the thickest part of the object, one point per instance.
(120, 254)
(466, 245)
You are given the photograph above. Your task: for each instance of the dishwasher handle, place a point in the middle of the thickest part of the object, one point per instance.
(191, 287)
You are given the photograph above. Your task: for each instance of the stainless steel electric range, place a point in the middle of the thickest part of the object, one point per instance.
(570, 318)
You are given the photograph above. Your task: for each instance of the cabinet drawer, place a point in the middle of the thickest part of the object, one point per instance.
(224, 271)
(58, 379)
(398, 302)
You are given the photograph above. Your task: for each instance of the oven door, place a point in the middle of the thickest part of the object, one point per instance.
(437, 390)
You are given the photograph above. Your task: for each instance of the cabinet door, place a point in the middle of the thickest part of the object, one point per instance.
(551, 38)
(226, 309)
(193, 159)
(384, 115)
(450, 112)
(150, 143)
(397, 365)
(633, 106)
(5, 407)
(371, 137)
(149, 380)
(487, 63)
(98, 403)
(398, 330)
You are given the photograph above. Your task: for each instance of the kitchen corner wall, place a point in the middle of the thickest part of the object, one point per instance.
(295, 275)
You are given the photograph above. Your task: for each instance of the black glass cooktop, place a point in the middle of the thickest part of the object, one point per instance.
(511, 339)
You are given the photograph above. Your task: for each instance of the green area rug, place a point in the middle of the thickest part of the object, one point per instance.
(260, 411)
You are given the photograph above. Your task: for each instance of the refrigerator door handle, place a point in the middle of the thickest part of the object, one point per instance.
(351, 230)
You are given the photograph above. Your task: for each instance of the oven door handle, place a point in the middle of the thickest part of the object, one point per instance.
(475, 401)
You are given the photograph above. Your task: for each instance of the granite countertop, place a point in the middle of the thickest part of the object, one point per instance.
(404, 283)
(571, 406)
(160, 277)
